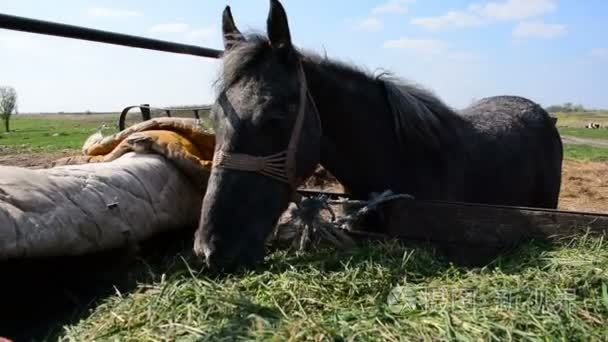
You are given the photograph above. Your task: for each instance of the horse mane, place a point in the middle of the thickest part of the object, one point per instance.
(420, 117)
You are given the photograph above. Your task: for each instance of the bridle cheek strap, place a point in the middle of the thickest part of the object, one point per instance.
(280, 166)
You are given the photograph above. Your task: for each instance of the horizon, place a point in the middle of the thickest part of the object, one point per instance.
(548, 51)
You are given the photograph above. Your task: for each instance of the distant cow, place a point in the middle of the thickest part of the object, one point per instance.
(593, 125)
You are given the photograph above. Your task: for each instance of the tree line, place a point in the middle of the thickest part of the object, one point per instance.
(568, 107)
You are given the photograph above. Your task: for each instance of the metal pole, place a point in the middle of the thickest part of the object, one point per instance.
(145, 112)
(16, 23)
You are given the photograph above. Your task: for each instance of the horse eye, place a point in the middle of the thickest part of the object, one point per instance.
(270, 121)
(275, 120)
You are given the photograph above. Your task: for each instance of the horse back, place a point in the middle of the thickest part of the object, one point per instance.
(514, 152)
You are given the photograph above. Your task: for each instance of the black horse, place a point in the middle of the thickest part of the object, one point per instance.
(373, 133)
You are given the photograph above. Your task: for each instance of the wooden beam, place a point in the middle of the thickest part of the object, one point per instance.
(486, 225)
(474, 223)
(474, 234)
(471, 233)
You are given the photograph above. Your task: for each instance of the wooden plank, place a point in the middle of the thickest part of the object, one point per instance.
(470, 233)
(474, 223)
(474, 235)
(469, 224)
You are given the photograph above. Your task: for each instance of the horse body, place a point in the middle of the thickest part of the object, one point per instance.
(380, 135)
(372, 133)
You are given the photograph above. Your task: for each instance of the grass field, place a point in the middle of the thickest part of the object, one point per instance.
(380, 292)
(585, 132)
(586, 153)
(49, 133)
(52, 133)
(573, 124)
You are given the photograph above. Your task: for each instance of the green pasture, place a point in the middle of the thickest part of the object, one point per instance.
(56, 132)
(48, 133)
(585, 132)
(586, 153)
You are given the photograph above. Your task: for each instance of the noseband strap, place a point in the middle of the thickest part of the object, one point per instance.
(272, 166)
(280, 166)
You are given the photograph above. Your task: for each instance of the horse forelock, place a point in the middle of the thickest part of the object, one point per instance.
(239, 58)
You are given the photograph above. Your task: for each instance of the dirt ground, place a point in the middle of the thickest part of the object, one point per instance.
(37, 160)
(584, 184)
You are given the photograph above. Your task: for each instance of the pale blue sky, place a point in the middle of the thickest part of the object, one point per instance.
(547, 50)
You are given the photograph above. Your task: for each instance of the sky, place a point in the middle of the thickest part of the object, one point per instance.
(546, 50)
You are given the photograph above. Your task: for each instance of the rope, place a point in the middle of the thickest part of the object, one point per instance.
(307, 226)
(366, 207)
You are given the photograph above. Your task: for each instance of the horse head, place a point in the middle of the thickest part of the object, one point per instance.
(267, 141)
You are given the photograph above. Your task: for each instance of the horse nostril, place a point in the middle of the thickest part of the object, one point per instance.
(210, 260)
(227, 259)
(217, 263)
(210, 257)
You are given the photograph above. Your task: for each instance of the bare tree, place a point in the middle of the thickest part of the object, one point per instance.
(8, 105)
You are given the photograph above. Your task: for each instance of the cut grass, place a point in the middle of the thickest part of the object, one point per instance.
(378, 292)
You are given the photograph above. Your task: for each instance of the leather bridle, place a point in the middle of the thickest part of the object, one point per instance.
(280, 166)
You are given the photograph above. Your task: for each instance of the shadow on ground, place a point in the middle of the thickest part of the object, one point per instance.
(39, 297)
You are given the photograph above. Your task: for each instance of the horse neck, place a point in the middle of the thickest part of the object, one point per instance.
(341, 96)
(358, 132)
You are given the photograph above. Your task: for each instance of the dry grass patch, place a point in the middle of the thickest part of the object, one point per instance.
(584, 186)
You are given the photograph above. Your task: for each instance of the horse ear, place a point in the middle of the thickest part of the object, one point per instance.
(277, 26)
(230, 32)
